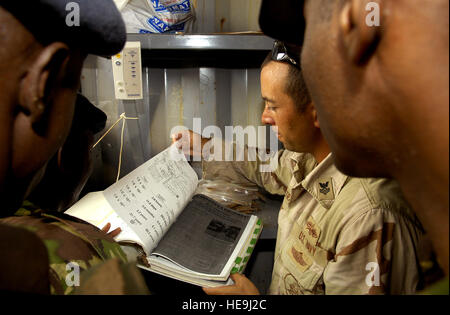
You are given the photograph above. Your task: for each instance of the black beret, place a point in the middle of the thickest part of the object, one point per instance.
(101, 29)
(283, 20)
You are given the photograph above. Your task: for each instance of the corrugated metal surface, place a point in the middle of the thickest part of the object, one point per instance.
(217, 16)
(174, 97)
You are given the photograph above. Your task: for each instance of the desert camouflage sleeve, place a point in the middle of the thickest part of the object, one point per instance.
(375, 254)
(273, 176)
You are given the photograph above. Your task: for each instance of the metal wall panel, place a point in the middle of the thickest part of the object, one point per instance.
(174, 97)
(217, 16)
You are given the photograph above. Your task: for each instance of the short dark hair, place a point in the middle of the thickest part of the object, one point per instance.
(295, 84)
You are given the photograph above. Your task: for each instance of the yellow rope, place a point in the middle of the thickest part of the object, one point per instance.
(124, 118)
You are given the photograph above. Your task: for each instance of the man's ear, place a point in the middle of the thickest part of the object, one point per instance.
(359, 28)
(315, 117)
(40, 83)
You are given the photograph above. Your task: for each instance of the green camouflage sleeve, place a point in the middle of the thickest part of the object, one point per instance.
(23, 263)
(112, 277)
(75, 247)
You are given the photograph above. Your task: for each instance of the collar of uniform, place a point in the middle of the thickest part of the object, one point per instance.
(296, 160)
(301, 165)
(325, 182)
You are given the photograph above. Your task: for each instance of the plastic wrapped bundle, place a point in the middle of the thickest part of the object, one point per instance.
(234, 196)
(157, 16)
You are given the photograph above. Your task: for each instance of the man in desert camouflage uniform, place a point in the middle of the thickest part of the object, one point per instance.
(378, 74)
(336, 234)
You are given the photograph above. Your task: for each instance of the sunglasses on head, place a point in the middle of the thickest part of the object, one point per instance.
(281, 52)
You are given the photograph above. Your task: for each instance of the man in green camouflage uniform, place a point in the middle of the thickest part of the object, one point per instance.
(73, 247)
(44, 44)
(336, 234)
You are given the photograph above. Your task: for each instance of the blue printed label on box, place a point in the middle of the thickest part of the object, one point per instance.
(162, 27)
(159, 25)
(183, 7)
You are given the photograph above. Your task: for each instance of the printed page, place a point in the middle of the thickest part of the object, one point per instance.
(151, 197)
(205, 236)
(94, 208)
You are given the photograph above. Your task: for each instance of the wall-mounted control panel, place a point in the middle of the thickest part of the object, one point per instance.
(127, 71)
